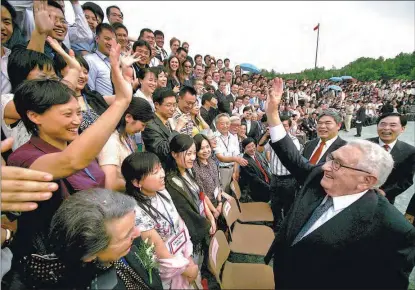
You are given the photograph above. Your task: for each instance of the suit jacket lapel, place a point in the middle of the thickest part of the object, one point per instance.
(175, 181)
(162, 126)
(309, 149)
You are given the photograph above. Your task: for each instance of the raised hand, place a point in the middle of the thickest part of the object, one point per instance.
(123, 88)
(44, 21)
(128, 60)
(273, 101)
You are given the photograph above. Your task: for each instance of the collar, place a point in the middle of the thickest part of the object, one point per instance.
(43, 146)
(6, 52)
(341, 202)
(329, 142)
(101, 55)
(391, 145)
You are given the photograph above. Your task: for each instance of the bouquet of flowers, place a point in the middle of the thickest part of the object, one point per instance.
(147, 256)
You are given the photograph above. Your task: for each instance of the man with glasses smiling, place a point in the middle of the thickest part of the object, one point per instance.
(340, 232)
(185, 103)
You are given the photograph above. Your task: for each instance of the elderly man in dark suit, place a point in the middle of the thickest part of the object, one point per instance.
(256, 176)
(390, 126)
(340, 232)
(328, 126)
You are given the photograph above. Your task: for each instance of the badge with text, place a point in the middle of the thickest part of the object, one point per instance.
(177, 242)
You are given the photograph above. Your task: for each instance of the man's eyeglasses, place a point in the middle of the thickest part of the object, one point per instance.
(336, 165)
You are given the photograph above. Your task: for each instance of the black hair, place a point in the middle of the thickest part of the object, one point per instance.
(140, 43)
(17, 36)
(109, 10)
(118, 25)
(22, 61)
(180, 49)
(36, 96)
(145, 30)
(186, 89)
(59, 64)
(136, 167)
(159, 70)
(96, 9)
(226, 59)
(142, 72)
(56, 5)
(286, 118)
(247, 141)
(140, 110)
(219, 60)
(402, 118)
(179, 143)
(207, 97)
(198, 139)
(161, 93)
(103, 26)
(197, 55)
(240, 98)
(158, 32)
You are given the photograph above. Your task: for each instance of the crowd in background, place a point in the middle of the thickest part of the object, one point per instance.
(136, 137)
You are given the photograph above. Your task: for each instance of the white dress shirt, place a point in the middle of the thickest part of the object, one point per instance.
(325, 148)
(391, 145)
(6, 86)
(248, 126)
(227, 146)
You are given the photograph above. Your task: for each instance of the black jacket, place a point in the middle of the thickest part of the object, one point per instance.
(311, 145)
(223, 103)
(254, 132)
(156, 137)
(402, 175)
(367, 245)
(361, 114)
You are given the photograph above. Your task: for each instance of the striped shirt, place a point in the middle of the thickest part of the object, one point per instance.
(188, 128)
(275, 164)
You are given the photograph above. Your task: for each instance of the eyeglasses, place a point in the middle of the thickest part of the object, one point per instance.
(336, 165)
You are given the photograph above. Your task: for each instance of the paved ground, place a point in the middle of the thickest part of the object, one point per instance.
(402, 200)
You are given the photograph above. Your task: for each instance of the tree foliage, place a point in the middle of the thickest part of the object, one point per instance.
(401, 67)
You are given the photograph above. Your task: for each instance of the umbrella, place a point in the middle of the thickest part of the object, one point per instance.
(250, 67)
(335, 88)
(335, 79)
(346, 78)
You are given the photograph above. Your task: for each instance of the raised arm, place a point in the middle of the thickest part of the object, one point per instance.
(79, 31)
(281, 142)
(44, 23)
(84, 149)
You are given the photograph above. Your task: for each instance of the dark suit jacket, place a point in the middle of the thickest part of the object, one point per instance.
(361, 114)
(402, 175)
(230, 98)
(311, 145)
(253, 180)
(223, 103)
(255, 131)
(367, 245)
(157, 137)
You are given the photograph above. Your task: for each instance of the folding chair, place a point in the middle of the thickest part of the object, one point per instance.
(246, 238)
(236, 275)
(252, 211)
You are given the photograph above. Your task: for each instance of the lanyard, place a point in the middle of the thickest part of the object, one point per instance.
(170, 220)
(86, 104)
(103, 60)
(226, 145)
(128, 142)
(86, 170)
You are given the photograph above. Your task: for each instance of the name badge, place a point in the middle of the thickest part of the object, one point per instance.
(178, 241)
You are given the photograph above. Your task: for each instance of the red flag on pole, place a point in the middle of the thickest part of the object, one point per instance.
(317, 27)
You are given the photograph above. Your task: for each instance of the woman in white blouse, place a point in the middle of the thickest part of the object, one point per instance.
(121, 142)
(147, 79)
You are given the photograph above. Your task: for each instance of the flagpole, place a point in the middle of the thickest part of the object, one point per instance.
(318, 34)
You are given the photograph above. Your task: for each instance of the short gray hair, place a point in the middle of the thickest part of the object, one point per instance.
(78, 228)
(331, 113)
(220, 116)
(375, 160)
(235, 118)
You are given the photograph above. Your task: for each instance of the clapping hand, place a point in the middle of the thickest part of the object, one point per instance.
(44, 21)
(21, 188)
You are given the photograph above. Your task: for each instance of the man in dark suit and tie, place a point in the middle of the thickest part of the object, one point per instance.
(158, 133)
(233, 95)
(252, 127)
(340, 232)
(256, 176)
(328, 126)
(390, 126)
(223, 103)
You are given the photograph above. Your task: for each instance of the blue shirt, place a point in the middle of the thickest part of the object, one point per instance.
(99, 73)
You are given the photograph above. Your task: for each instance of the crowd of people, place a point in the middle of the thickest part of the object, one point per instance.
(113, 144)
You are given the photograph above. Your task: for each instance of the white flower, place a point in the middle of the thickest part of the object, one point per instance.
(145, 241)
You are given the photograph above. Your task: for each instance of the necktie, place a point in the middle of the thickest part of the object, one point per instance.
(316, 155)
(262, 170)
(318, 212)
(386, 147)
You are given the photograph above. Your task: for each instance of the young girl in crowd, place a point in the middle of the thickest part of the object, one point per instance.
(121, 142)
(187, 195)
(159, 221)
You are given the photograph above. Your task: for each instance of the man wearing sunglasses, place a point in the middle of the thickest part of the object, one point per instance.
(340, 232)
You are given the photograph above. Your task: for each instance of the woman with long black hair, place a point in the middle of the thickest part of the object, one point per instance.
(159, 221)
(187, 195)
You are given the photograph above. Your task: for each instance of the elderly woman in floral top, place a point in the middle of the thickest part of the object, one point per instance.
(159, 221)
(207, 174)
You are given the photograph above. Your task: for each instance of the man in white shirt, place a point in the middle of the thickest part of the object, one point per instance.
(148, 35)
(228, 79)
(227, 152)
(340, 228)
(216, 79)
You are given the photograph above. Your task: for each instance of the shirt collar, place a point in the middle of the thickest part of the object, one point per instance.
(6, 52)
(341, 202)
(329, 142)
(43, 146)
(101, 55)
(391, 145)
